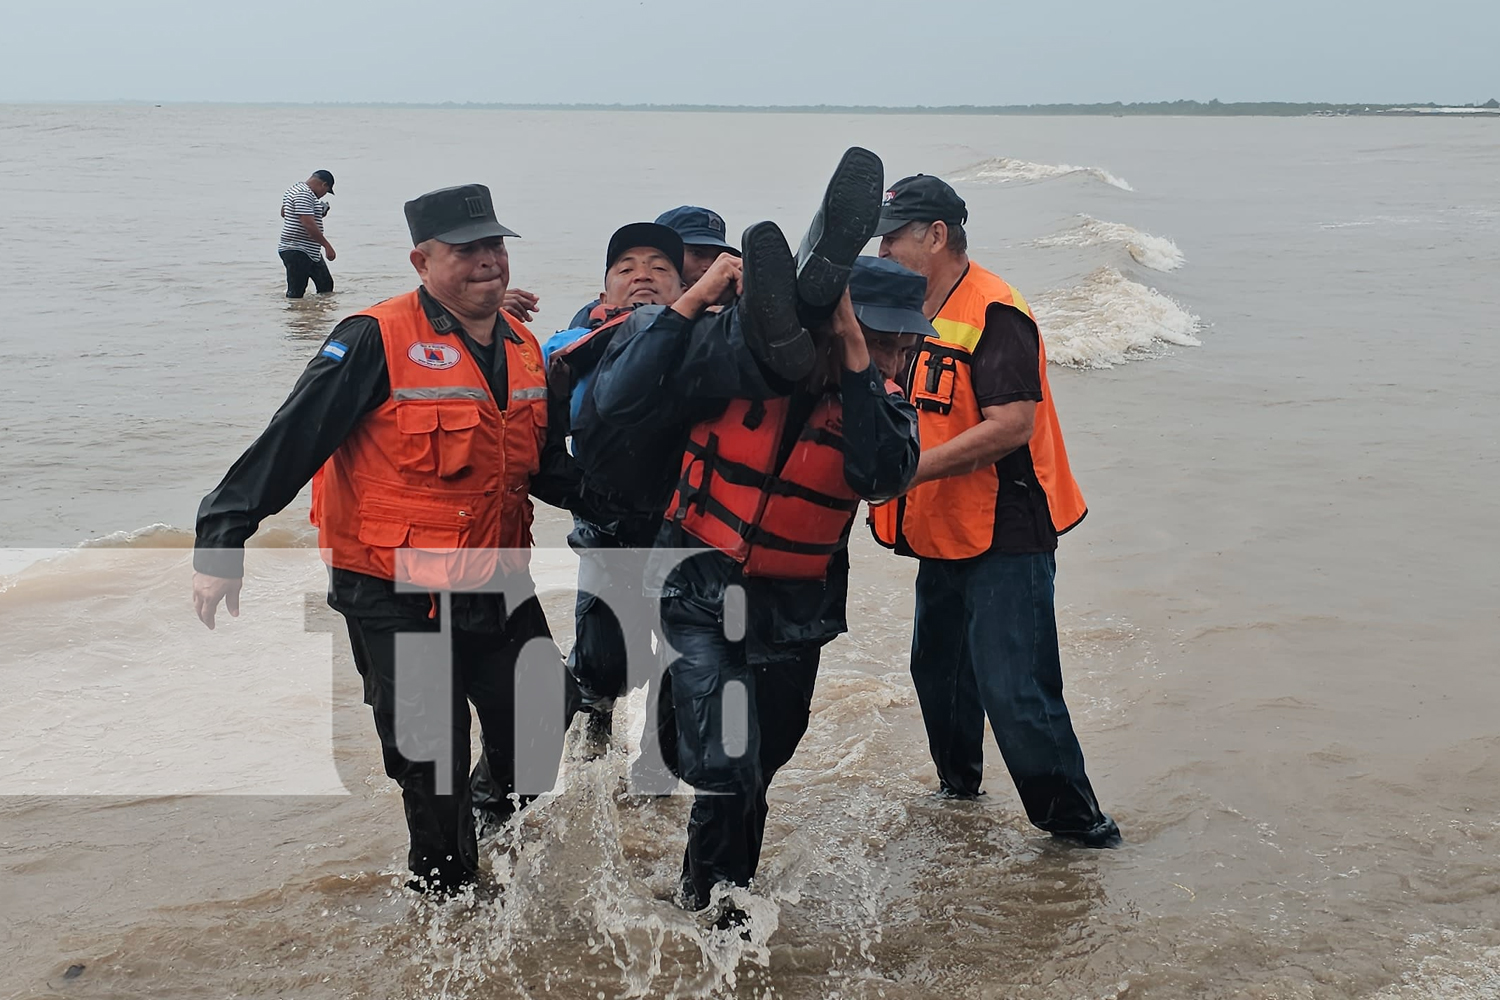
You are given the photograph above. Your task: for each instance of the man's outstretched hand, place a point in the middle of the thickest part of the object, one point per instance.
(520, 303)
(208, 591)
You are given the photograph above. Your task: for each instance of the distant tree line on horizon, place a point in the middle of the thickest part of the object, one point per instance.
(1207, 108)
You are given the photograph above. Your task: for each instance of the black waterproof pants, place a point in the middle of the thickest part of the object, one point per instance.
(613, 623)
(736, 724)
(443, 845)
(300, 268)
(613, 618)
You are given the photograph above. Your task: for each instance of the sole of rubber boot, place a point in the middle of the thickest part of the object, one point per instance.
(844, 223)
(768, 305)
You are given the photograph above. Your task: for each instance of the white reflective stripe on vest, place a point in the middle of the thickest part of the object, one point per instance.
(440, 392)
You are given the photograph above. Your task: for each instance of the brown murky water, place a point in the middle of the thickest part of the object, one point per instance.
(1279, 620)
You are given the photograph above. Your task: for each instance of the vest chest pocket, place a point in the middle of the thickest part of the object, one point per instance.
(933, 379)
(458, 421)
(437, 436)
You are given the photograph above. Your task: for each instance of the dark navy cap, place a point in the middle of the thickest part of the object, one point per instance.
(460, 214)
(325, 177)
(698, 227)
(920, 198)
(644, 234)
(887, 297)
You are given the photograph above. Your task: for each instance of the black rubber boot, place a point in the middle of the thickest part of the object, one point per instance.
(844, 223)
(1103, 834)
(767, 308)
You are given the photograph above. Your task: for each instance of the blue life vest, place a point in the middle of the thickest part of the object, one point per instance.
(570, 356)
(557, 342)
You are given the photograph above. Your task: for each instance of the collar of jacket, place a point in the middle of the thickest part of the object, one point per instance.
(445, 322)
(602, 313)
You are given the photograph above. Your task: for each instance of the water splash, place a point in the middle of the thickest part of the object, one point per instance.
(1155, 252)
(1108, 320)
(1005, 170)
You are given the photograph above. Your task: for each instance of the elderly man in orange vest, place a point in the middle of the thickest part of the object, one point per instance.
(993, 491)
(423, 423)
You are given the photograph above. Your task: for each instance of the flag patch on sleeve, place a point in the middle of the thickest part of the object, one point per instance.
(335, 350)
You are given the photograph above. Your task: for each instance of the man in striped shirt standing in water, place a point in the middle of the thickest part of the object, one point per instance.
(303, 245)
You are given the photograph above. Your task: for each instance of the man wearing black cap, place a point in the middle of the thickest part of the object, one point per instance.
(992, 493)
(702, 233)
(642, 266)
(425, 422)
(781, 433)
(303, 245)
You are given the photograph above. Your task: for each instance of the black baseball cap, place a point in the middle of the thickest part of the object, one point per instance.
(645, 234)
(325, 177)
(698, 227)
(459, 214)
(921, 198)
(887, 297)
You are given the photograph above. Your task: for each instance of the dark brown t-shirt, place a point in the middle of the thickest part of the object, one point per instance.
(1005, 369)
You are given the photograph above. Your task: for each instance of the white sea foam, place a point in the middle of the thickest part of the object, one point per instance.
(1107, 320)
(1005, 170)
(1449, 965)
(1372, 220)
(1155, 252)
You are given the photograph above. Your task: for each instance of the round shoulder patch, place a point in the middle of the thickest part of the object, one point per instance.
(434, 355)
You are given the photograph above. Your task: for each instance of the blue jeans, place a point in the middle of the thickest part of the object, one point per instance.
(985, 642)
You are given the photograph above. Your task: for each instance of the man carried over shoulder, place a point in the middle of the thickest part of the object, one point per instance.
(781, 433)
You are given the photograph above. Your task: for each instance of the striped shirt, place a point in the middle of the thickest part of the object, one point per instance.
(298, 201)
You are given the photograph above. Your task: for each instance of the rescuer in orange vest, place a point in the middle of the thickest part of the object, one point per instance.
(992, 493)
(425, 420)
(785, 434)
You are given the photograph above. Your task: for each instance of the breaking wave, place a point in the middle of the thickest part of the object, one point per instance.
(55, 566)
(1004, 170)
(1155, 252)
(153, 536)
(1107, 320)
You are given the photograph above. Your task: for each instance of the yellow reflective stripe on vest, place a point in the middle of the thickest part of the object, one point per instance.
(956, 333)
(1020, 303)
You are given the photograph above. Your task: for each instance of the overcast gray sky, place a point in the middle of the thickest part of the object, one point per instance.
(767, 52)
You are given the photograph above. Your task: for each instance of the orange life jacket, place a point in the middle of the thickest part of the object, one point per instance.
(954, 518)
(785, 522)
(438, 470)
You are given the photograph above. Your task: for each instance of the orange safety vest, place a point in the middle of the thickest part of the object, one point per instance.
(438, 470)
(954, 518)
(783, 523)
